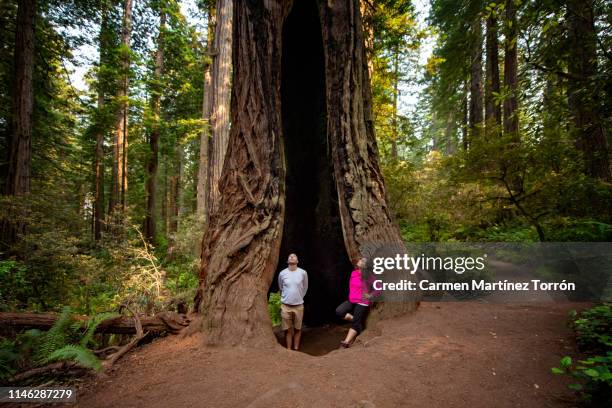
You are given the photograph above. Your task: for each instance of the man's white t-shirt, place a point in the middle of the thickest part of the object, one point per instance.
(293, 286)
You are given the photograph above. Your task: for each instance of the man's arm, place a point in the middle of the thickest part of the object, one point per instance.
(305, 282)
(280, 282)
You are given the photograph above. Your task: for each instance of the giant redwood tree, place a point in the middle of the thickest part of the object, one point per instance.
(20, 142)
(301, 173)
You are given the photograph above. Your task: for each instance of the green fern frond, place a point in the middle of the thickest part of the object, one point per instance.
(92, 324)
(57, 337)
(84, 357)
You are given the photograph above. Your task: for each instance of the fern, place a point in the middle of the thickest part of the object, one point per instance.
(57, 337)
(71, 352)
(92, 324)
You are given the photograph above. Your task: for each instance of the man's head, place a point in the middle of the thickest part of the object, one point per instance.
(292, 260)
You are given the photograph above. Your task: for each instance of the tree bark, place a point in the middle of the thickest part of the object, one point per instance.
(203, 164)
(100, 131)
(220, 87)
(99, 174)
(395, 133)
(511, 119)
(174, 198)
(240, 249)
(164, 209)
(450, 146)
(476, 99)
(493, 114)
(583, 91)
(120, 142)
(20, 142)
(465, 143)
(150, 230)
(240, 246)
(162, 322)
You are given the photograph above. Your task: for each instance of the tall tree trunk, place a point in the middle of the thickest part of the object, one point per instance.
(583, 91)
(493, 114)
(395, 132)
(150, 230)
(476, 80)
(100, 130)
(20, 143)
(220, 86)
(120, 142)
(174, 198)
(241, 247)
(368, 13)
(203, 163)
(99, 172)
(511, 119)
(449, 134)
(164, 209)
(464, 119)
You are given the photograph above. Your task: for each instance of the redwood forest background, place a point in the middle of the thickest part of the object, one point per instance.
(492, 119)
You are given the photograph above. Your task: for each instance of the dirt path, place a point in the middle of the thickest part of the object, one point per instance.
(445, 355)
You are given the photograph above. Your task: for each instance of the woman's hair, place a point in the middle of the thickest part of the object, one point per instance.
(357, 259)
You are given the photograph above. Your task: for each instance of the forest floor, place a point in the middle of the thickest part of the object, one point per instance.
(445, 355)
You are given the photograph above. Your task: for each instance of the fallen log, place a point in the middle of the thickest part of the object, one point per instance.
(162, 322)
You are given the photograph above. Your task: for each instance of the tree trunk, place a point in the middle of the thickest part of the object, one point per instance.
(99, 174)
(583, 91)
(203, 164)
(450, 145)
(476, 81)
(174, 198)
(511, 119)
(150, 230)
(493, 114)
(164, 209)
(120, 142)
(240, 249)
(464, 119)
(162, 322)
(20, 143)
(100, 131)
(368, 13)
(395, 132)
(220, 87)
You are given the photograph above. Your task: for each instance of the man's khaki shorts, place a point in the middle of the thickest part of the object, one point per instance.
(292, 316)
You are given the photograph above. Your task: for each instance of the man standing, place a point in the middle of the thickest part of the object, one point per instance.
(293, 284)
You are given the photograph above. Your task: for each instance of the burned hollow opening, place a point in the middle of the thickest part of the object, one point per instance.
(312, 226)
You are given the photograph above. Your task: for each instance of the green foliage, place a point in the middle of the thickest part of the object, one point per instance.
(66, 340)
(79, 354)
(274, 308)
(57, 337)
(14, 284)
(8, 358)
(593, 329)
(93, 322)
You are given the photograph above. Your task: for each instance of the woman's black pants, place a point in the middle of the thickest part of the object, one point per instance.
(359, 313)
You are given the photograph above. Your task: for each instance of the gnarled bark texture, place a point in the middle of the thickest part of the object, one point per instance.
(240, 249)
(241, 244)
